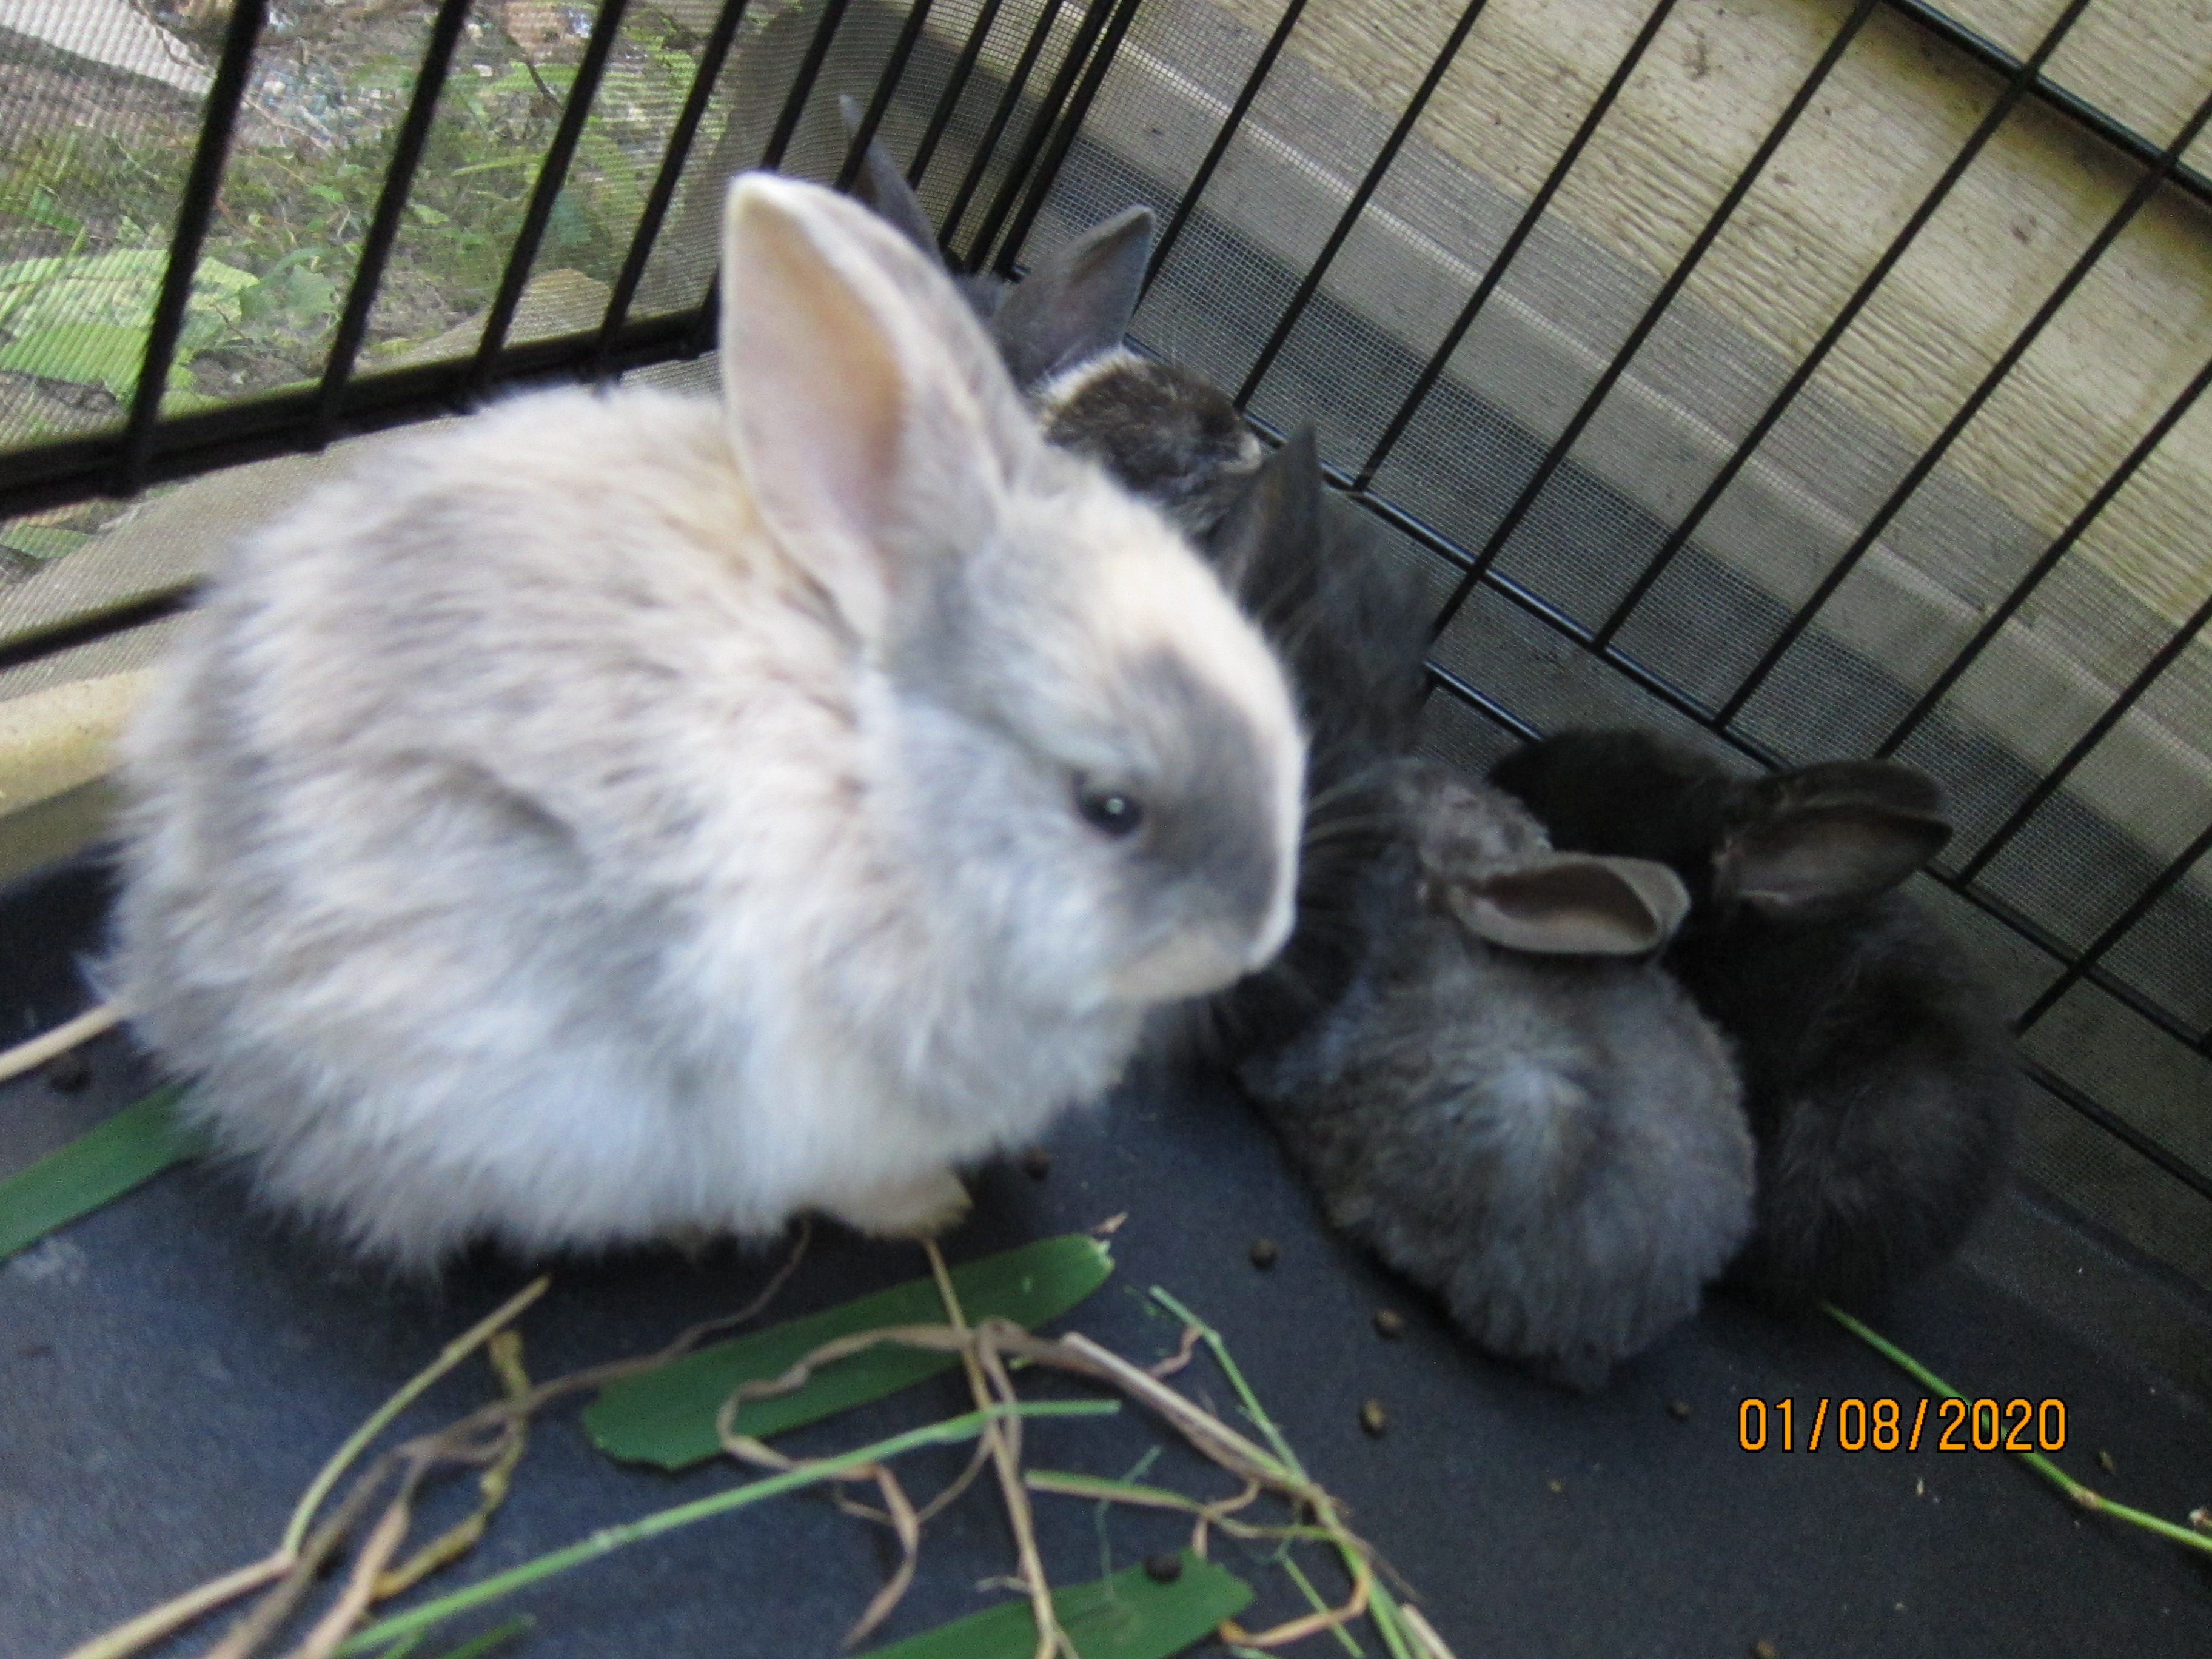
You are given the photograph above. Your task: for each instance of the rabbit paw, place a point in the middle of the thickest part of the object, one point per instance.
(920, 1208)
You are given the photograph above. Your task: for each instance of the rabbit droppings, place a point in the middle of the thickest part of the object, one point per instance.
(623, 814)
(1882, 1081)
(1511, 1103)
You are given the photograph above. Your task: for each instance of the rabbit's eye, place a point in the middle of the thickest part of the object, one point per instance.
(1112, 811)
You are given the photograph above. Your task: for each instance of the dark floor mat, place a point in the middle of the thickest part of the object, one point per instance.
(173, 1369)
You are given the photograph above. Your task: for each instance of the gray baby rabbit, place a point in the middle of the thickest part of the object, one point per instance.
(1881, 1078)
(1511, 1103)
(622, 814)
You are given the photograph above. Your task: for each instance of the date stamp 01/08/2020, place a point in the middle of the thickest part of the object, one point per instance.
(1855, 1424)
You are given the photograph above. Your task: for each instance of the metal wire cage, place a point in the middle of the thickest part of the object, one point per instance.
(1810, 378)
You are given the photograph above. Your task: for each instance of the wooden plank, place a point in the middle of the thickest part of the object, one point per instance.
(2083, 396)
(1891, 118)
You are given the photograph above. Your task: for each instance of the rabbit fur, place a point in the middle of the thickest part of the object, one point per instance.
(622, 814)
(1351, 640)
(1510, 1102)
(1882, 1081)
(1348, 621)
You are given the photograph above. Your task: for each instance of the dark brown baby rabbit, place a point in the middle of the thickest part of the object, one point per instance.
(1881, 1078)
(1350, 637)
(1166, 433)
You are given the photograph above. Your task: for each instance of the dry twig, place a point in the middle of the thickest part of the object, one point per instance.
(292, 1567)
(70, 1034)
(993, 1340)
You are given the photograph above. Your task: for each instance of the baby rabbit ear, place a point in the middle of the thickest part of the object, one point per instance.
(1266, 548)
(872, 422)
(1831, 836)
(882, 187)
(1901, 788)
(1077, 304)
(1574, 904)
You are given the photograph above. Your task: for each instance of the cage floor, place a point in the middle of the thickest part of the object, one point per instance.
(174, 1368)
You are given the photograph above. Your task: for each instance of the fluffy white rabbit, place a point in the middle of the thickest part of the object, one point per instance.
(625, 814)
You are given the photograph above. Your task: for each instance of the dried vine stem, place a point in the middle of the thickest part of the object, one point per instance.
(451, 1355)
(993, 1342)
(1423, 1632)
(897, 1513)
(70, 1034)
(292, 1567)
(986, 1376)
(999, 1441)
(489, 1436)
(1220, 1513)
(505, 1353)
(384, 1541)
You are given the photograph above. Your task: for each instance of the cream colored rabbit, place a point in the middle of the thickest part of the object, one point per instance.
(622, 814)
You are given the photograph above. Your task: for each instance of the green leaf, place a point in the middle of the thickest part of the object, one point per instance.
(107, 355)
(45, 209)
(137, 1143)
(667, 1416)
(135, 263)
(477, 1646)
(42, 541)
(115, 290)
(1128, 1616)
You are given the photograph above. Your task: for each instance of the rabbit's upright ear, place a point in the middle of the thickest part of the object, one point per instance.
(1573, 904)
(1076, 305)
(1268, 548)
(872, 423)
(1827, 837)
(1901, 788)
(881, 186)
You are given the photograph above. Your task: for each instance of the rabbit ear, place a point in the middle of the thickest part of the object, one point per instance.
(1266, 549)
(1077, 304)
(881, 186)
(871, 421)
(1830, 835)
(1574, 904)
(1888, 784)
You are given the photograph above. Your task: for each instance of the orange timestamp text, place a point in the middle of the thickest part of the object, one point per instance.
(1952, 1424)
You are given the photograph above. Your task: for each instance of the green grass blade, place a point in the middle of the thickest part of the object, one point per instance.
(1126, 1616)
(667, 1416)
(477, 1646)
(137, 1143)
(607, 1540)
(2086, 1496)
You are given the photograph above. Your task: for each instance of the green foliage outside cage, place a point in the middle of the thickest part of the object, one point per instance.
(86, 211)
